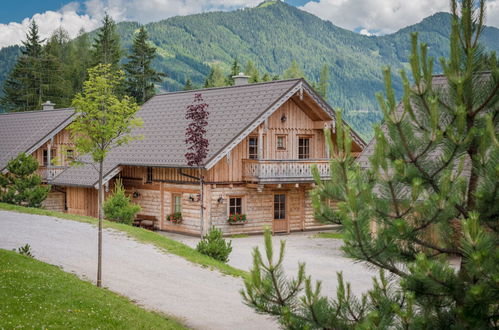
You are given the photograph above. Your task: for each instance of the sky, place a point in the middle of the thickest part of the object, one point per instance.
(363, 16)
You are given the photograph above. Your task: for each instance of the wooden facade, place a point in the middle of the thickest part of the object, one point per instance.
(267, 177)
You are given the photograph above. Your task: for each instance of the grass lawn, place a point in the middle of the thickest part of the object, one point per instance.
(141, 235)
(36, 295)
(329, 234)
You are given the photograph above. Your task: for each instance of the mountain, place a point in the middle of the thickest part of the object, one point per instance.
(274, 33)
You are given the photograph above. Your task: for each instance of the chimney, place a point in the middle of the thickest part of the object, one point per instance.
(240, 79)
(48, 106)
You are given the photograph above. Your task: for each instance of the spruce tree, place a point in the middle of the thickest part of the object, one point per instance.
(23, 89)
(426, 210)
(294, 71)
(234, 71)
(252, 72)
(107, 45)
(80, 60)
(188, 85)
(216, 78)
(323, 84)
(140, 76)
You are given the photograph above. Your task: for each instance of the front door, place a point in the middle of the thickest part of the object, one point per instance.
(280, 223)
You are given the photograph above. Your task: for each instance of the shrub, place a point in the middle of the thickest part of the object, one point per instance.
(119, 208)
(214, 245)
(25, 251)
(21, 185)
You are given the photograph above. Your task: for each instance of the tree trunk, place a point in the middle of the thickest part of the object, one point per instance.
(101, 216)
(201, 184)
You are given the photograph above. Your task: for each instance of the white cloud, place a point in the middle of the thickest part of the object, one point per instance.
(385, 16)
(67, 17)
(366, 32)
(70, 18)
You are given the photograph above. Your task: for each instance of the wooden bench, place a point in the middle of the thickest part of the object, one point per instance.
(145, 221)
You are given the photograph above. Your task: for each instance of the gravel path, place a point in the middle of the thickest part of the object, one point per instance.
(201, 298)
(323, 258)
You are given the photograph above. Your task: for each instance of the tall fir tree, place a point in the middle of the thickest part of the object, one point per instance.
(234, 71)
(140, 75)
(216, 78)
(107, 45)
(294, 71)
(23, 89)
(323, 84)
(251, 71)
(80, 60)
(426, 210)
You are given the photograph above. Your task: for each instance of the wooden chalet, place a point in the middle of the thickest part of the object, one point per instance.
(263, 139)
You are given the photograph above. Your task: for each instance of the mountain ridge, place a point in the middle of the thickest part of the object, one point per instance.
(273, 35)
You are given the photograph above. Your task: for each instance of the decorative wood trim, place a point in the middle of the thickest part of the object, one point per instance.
(254, 125)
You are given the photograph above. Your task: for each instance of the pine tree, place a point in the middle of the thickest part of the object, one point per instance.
(80, 60)
(294, 71)
(252, 72)
(323, 84)
(234, 71)
(107, 45)
(266, 77)
(188, 85)
(430, 193)
(23, 89)
(140, 76)
(216, 78)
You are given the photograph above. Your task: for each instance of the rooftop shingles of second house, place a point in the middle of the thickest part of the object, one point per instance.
(231, 111)
(21, 131)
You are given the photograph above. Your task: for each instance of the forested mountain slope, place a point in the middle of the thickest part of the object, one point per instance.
(273, 35)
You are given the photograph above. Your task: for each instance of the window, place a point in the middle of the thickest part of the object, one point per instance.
(46, 157)
(253, 148)
(281, 142)
(280, 206)
(149, 175)
(235, 205)
(303, 148)
(177, 203)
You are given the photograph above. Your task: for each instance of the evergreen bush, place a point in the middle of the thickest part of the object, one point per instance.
(214, 245)
(119, 207)
(21, 185)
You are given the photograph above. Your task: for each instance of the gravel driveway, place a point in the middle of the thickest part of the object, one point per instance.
(323, 258)
(201, 298)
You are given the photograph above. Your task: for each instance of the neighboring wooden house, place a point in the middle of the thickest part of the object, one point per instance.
(263, 140)
(42, 134)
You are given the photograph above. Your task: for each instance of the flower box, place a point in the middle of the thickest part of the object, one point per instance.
(237, 219)
(175, 217)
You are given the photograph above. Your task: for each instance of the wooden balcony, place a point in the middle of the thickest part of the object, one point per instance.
(49, 173)
(281, 171)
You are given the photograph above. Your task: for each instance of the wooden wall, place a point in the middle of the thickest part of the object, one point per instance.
(61, 143)
(82, 201)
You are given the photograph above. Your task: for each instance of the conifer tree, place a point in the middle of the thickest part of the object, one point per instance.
(107, 44)
(252, 72)
(23, 89)
(80, 60)
(266, 77)
(140, 76)
(294, 71)
(426, 210)
(188, 85)
(216, 78)
(323, 84)
(234, 71)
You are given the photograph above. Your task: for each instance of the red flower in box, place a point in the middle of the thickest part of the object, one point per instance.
(237, 218)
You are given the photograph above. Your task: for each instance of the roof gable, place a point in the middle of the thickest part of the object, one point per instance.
(28, 131)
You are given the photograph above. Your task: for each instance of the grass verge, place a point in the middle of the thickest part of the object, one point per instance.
(38, 296)
(141, 235)
(335, 235)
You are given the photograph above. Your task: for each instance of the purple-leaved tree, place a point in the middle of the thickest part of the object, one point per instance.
(197, 142)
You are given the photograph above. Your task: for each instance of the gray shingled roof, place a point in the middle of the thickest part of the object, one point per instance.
(27, 131)
(234, 111)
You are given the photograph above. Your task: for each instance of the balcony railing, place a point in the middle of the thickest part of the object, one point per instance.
(270, 171)
(49, 173)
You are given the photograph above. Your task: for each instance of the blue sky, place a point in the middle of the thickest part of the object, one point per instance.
(362, 16)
